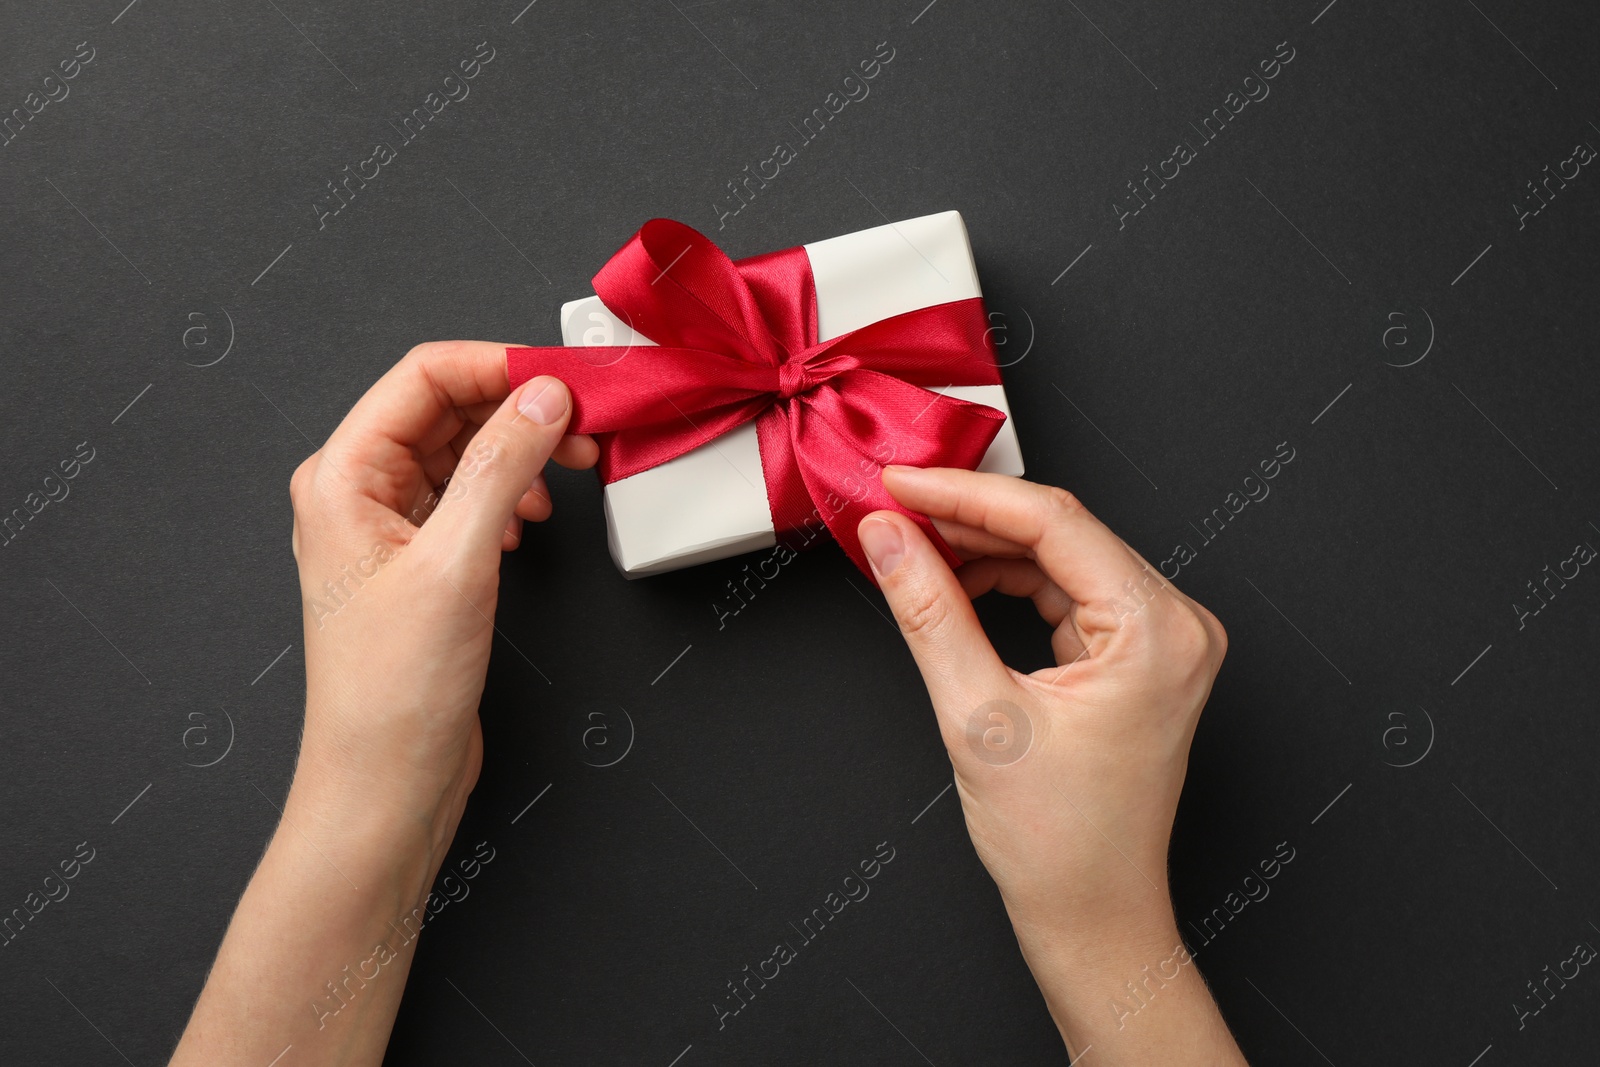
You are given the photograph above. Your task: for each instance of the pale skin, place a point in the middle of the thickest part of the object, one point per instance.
(1074, 832)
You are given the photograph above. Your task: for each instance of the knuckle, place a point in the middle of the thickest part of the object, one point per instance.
(1063, 503)
(1219, 634)
(428, 351)
(1192, 639)
(427, 359)
(490, 449)
(300, 483)
(923, 615)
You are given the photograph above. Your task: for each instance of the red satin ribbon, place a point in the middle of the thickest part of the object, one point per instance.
(738, 341)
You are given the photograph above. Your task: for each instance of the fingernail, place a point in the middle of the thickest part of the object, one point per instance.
(539, 487)
(884, 546)
(545, 403)
(905, 473)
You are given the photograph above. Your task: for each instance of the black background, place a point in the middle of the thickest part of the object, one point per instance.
(1369, 599)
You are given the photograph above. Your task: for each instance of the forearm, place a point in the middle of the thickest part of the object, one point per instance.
(1129, 990)
(318, 951)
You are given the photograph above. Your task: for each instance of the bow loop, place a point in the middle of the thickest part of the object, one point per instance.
(682, 291)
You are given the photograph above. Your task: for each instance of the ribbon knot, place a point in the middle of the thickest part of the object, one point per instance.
(794, 376)
(725, 332)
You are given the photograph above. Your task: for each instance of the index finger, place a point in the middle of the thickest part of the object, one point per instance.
(1077, 550)
(416, 403)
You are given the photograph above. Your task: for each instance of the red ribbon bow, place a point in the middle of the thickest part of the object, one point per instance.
(738, 341)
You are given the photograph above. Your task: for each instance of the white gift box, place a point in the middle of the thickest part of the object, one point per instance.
(711, 503)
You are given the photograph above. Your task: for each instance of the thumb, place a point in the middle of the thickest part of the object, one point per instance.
(499, 464)
(959, 665)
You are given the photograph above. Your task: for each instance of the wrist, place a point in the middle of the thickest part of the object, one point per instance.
(1087, 965)
(1129, 988)
(388, 839)
(1084, 950)
(318, 950)
(1090, 919)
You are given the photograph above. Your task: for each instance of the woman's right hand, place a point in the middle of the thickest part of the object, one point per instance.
(1068, 777)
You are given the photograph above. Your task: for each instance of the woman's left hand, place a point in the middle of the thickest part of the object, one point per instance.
(399, 580)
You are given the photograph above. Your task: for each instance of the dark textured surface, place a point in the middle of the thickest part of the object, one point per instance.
(1370, 598)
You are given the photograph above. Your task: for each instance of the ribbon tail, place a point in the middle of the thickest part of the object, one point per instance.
(841, 440)
(645, 403)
